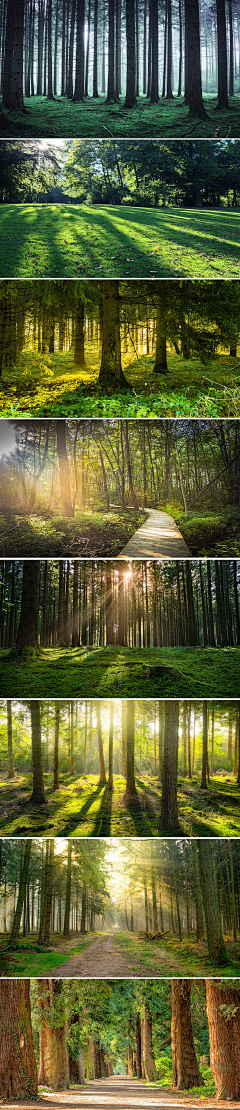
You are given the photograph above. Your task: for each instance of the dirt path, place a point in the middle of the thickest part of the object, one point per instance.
(100, 960)
(117, 1092)
(159, 537)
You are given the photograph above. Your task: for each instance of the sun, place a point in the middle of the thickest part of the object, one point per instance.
(7, 438)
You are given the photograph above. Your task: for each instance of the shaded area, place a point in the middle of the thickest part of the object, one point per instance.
(58, 118)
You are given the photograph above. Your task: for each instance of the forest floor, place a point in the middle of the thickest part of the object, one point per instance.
(120, 1093)
(116, 955)
(62, 118)
(87, 535)
(121, 672)
(84, 807)
(52, 386)
(69, 240)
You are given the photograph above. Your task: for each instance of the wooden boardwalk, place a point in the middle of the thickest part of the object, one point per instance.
(158, 538)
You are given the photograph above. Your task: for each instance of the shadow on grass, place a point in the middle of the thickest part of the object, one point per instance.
(79, 818)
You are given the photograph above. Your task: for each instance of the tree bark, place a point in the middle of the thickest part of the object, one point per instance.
(53, 1048)
(169, 808)
(223, 1015)
(11, 772)
(222, 55)
(186, 1072)
(216, 946)
(64, 468)
(27, 635)
(18, 1069)
(111, 374)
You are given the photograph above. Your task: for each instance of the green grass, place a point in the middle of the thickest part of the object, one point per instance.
(83, 807)
(37, 963)
(62, 118)
(57, 241)
(53, 386)
(88, 534)
(170, 956)
(120, 672)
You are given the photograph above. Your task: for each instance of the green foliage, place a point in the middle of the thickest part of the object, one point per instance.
(94, 534)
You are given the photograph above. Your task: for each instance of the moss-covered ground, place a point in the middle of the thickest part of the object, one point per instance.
(84, 807)
(68, 240)
(52, 386)
(208, 532)
(121, 672)
(62, 118)
(88, 534)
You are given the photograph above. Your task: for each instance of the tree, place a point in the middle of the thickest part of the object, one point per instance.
(223, 1014)
(216, 946)
(169, 808)
(193, 62)
(53, 1047)
(27, 635)
(21, 892)
(18, 1069)
(186, 1072)
(64, 468)
(222, 55)
(111, 375)
(11, 772)
(38, 792)
(131, 98)
(130, 791)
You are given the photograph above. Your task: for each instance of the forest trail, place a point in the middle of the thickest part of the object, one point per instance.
(100, 960)
(117, 1092)
(158, 537)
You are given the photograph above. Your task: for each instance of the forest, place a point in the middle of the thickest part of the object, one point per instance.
(109, 349)
(119, 768)
(83, 488)
(122, 1043)
(132, 908)
(149, 627)
(148, 209)
(82, 68)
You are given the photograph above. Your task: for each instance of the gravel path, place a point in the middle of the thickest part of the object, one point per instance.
(158, 538)
(115, 1093)
(101, 959)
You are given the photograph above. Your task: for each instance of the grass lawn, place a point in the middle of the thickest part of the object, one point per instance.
(62, 118)
(57, 241)
(53, 386)
(121, 672)
(87, 535)
(84, 807)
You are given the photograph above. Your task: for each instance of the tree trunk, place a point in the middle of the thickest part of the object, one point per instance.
(102, 772)
(224, 1034)
(169, 808)
(11, 772)
(130, 791)
(111, 374)
(53, 1048)
(131, 98)
(27, 635)
(68, 891)
(216, 946)
(148, 1060)
(79, 80)
(38, 793)
(18, 1069)
(56, 746)
(110, 747)
(186, 1072)
(21, 892)
(64, 468)
(222, 55)
(193, 61)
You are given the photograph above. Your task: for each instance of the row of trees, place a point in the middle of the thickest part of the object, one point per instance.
(141, 604)
(61, 466)
(118, 47)
(96, 738)
(165, 753)
(74, 1030)
(182, 888)
(126, 172)
(111, 318)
